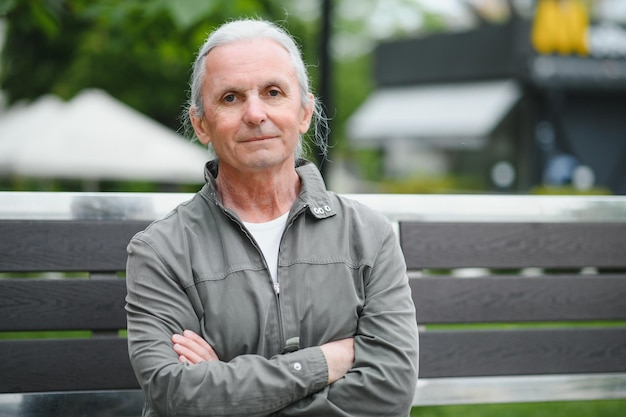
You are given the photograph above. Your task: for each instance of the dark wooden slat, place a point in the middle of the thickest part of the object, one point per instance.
(521, 352)
(67, 304)
(65, 365)
(513, 245)
(518, 299)
(77, 245)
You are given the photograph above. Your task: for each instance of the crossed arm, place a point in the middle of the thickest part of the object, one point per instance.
(193, 349)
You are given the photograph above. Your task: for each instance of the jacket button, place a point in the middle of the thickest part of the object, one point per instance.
(297, 366)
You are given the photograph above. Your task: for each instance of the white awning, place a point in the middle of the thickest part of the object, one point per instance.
(94, 137)
(442, 115)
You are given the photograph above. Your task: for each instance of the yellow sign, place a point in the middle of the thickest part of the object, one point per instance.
(560, 26)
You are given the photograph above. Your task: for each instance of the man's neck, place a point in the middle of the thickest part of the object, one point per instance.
(261, 197)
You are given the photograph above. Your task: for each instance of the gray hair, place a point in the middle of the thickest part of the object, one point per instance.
(251, 29)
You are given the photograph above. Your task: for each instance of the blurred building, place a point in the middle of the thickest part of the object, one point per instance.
(537, 100)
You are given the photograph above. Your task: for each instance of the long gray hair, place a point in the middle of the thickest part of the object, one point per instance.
(251, 29)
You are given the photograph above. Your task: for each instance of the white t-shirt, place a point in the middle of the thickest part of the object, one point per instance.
(268, 236)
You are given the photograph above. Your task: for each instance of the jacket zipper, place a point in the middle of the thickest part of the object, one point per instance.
(279, 311)
(277, 284)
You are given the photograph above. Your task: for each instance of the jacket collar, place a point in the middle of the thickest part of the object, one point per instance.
(313, 193)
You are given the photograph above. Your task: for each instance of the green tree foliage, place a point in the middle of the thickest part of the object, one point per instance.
(139, 51)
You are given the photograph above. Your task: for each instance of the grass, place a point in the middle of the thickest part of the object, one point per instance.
(607, 408)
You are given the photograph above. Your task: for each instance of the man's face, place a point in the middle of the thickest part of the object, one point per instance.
(253, 110)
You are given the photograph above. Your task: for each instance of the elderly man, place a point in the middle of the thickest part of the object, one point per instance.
(266, 294)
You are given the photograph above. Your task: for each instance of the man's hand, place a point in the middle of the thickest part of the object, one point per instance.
(192, 348)
(339, 357)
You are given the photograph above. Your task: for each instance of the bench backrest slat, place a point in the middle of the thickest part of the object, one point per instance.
(77, 245)
(492, 299)
(513, 245)
(65, 365)
(62, 304)
(522, 352)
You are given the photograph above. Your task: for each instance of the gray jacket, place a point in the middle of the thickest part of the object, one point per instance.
(341, 274)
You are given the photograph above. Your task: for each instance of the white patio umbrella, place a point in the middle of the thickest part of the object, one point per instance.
(94, 137)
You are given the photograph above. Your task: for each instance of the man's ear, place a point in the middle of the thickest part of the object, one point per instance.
(307, 114)
(199, 126)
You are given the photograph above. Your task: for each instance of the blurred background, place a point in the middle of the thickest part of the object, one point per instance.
(425, 96)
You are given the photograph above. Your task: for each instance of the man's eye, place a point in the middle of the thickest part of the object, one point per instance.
(274, 93)
(229, 98)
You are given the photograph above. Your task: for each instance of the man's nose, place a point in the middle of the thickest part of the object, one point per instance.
(254, 111)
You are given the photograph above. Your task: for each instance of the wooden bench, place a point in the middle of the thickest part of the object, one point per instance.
(518, 298)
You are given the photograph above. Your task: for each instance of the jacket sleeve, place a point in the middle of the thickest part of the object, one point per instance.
(251, 385)
(384, 376)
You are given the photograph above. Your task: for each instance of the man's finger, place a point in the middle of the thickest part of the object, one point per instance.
(193, 347)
